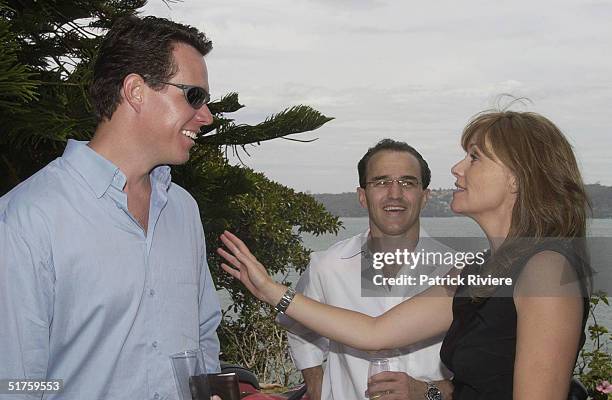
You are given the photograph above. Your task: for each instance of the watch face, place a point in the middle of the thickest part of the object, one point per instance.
(433, 393)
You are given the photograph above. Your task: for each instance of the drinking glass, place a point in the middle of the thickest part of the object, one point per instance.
(377, 365)
(189, 369)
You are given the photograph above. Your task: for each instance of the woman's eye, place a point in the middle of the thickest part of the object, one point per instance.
(473, 156)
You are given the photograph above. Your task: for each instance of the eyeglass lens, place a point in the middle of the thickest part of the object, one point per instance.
(196, 96)
(405, 183)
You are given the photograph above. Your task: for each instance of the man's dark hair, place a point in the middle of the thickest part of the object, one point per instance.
(393, 145)
(141, 46)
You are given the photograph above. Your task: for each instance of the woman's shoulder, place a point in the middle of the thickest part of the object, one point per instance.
(549, 253)
(551, 268)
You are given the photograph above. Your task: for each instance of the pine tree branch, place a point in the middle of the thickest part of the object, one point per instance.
(299, 140)
(293, 120)
(228, 103)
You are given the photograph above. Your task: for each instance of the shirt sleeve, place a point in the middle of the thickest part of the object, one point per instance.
(307, 348)
(26, 306)
(210, 316)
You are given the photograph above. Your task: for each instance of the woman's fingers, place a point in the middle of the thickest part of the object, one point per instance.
(239, 244)
(233, 272)
(243, 265)
(242, 277)
(239, 250)
(235, 239)
(228, 257)
(235, 261)
(229, 243)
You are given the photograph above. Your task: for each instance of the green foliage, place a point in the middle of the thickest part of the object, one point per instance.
(256, 340)
(269, 218)
(17, 85)
(595, 361)
(290, 121)
(46, 50)
(54, 42)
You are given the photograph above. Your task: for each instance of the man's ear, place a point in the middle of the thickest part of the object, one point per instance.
(362, 197)
(426, 196)
(133, 91)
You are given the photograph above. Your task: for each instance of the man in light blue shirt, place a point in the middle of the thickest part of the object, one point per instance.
(103, 270)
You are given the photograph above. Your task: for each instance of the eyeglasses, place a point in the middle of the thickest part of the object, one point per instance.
(196, 96)
(405, 183)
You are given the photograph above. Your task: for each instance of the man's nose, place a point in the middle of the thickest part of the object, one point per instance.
(204, 116)
(395, 190)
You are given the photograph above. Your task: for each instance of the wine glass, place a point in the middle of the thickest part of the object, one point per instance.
(377, 365)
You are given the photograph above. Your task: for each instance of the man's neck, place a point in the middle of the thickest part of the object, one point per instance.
(118, 148)
(388, 243)
(381, 243)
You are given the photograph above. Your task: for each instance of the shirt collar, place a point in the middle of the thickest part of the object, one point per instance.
(100, 173)
(161, 175)
(351, 252)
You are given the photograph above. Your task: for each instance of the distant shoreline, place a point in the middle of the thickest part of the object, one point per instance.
(346, 204)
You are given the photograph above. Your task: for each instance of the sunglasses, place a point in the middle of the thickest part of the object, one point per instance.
(196, 96)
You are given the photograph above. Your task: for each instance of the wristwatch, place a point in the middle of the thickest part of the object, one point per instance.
(284, 302)
(432, 392)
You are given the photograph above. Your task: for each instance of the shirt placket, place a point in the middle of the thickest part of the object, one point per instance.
(150, 302)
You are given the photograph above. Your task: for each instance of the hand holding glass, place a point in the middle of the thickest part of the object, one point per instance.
(188, 365)
(377, 365)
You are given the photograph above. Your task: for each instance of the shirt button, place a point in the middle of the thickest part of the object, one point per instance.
(154, 344)
(151, 292)
(156, 396)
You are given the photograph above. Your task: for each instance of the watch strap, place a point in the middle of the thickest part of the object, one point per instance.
(284, 302)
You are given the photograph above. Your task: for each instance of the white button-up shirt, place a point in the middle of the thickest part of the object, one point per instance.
(334, 277)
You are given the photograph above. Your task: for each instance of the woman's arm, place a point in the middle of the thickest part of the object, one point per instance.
(419, 318)
(549, 308)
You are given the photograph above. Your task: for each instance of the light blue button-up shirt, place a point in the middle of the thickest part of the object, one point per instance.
(87, 296)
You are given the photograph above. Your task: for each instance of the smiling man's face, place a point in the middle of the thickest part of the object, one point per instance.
(172, 121)
(393, 210)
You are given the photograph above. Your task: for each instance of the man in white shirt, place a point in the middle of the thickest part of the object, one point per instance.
(393, 180)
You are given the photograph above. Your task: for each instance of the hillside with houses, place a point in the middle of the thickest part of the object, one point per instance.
(347, 204)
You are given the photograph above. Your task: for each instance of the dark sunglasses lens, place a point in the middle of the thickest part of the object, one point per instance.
(196, 96)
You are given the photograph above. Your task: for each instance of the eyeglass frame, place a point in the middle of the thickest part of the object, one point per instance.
(384, 183)
(185, 88)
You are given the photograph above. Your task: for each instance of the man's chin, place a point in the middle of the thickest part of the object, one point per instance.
(179, 160)
(396, 231)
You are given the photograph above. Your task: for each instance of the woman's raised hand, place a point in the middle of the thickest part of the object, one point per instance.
(244, 266)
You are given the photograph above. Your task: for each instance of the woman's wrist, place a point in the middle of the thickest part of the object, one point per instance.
(274, 293)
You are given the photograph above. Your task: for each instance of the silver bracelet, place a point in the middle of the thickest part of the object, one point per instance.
(284, 302)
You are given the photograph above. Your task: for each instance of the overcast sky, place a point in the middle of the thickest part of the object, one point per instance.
(412, 71)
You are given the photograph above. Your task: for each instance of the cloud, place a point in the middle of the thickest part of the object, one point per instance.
(391, 69)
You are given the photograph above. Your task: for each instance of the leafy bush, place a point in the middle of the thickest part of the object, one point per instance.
(594, 366)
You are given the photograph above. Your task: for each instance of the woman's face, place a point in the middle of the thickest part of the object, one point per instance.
(485, 188)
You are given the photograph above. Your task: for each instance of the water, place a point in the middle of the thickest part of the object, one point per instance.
(433, 226)
(438, 227)
(441, 227)
(452, 226)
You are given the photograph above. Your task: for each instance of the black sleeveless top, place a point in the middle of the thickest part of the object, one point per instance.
(480, 345)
